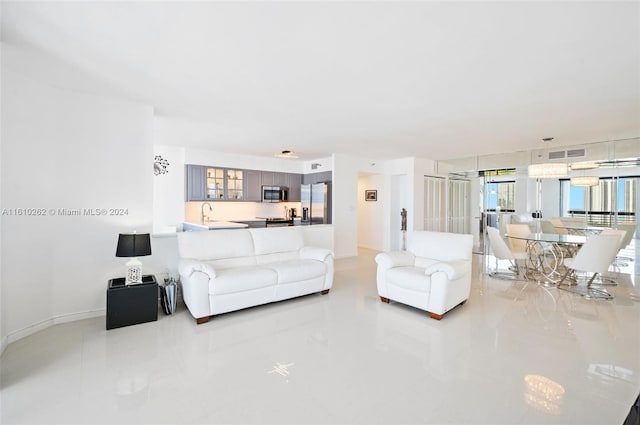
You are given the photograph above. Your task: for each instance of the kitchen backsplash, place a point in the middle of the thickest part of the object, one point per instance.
(230, 211)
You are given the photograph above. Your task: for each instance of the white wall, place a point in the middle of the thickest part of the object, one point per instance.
(3, 308)
(372, 225)
(345, 205)
(168, 189)
(65, 149)
(208, 157)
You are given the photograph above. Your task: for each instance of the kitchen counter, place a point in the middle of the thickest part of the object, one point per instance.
(212, 225)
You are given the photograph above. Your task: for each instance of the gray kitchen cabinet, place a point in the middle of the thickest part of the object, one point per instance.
(252, 185)
(281, 179)
(195, 183)
(227, 184)
(234, 187)
(272, 178)
(215, 184)
(267, 178)
(295, 180)
(322, 177)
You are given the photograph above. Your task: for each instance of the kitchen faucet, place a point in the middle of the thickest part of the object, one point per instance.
(202, 211)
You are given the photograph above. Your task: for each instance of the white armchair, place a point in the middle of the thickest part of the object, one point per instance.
(434, 274)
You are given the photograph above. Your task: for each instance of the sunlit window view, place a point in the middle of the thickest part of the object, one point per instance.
(613, 199)
(502, 195)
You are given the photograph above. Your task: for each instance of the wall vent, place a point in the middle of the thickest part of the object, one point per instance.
(575, 153)
(570, 153)
(557, 155)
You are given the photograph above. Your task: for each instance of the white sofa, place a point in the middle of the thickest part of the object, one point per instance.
(433, 274)
(228, 270)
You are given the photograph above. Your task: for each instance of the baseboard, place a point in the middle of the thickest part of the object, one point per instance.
(44, 324)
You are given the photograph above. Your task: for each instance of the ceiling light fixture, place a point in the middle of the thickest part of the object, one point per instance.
(587, 165)
(547, 139)
(286, 154)
(548, 170)
(586, 181)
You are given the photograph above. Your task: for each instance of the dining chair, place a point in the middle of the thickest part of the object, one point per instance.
(595, 256)
(502, 252)
(559, 226)
(630, 230)
(548, 227)
(520, 231)
(620, 234)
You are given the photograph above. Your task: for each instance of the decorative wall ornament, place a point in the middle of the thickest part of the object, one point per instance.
(160, 165)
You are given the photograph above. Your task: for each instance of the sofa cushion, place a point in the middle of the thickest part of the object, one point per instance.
(215, 244)
(241, 279)
(413, 278)
(272, 240)
(298, 270)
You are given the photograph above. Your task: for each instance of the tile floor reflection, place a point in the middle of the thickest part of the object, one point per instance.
(511, 355)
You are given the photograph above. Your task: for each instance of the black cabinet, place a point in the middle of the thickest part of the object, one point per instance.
(132, 304)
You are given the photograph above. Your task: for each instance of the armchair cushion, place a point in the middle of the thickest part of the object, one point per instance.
(453, 269)
(412, 278)
(395, 259)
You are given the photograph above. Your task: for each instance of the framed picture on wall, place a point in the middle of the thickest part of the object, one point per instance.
(370, 195)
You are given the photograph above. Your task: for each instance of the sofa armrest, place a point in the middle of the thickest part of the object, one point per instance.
(453, 269)
(315, 253)
(188, 267)
(395, 259)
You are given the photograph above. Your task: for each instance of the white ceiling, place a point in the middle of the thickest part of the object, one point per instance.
(436, 80)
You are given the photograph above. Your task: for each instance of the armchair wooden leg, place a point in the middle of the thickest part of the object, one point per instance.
(324, 292)
(435, 316)
(384, 300)
(201, 320)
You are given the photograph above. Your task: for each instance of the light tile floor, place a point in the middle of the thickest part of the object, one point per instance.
(510, 355)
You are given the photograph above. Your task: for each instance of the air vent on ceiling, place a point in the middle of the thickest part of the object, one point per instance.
(575, 153)
(557, 155)
(571, 153)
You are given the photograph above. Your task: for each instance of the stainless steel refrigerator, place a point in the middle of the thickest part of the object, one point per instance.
(316, 203)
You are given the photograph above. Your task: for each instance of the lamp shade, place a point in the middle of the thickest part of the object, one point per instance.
(585, 181)
(548, 170)
(586, 165)
(133, 245)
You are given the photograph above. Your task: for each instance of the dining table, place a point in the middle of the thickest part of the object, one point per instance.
(546, 253)
(582, 230)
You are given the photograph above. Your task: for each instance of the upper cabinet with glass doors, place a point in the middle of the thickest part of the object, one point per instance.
(214, 184)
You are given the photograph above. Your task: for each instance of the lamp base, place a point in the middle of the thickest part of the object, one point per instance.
(133, 275)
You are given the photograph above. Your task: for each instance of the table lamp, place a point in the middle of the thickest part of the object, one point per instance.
(133, 245)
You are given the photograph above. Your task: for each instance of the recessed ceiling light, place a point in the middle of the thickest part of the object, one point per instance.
(286, 154)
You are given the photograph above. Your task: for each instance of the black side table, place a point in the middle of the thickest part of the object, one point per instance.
(133, 304)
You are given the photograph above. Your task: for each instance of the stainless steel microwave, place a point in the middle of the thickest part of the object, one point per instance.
(274, 194)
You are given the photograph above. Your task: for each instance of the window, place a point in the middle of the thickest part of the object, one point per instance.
(612, 196)
(501, 194)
